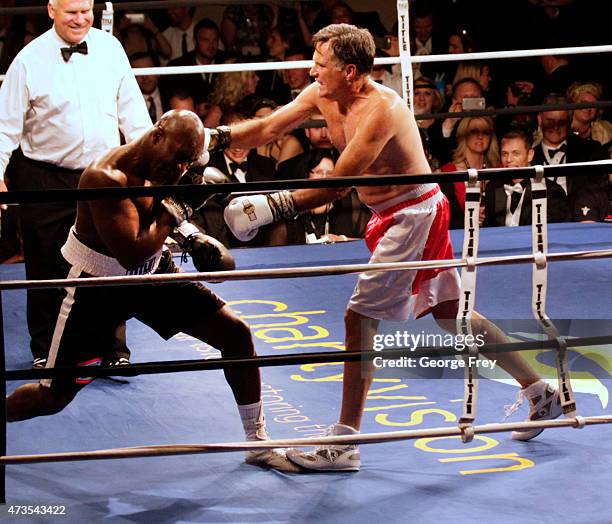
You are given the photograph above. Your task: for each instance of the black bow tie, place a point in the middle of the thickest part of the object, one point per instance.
(235, 166)
(553, 152)
(67, 52)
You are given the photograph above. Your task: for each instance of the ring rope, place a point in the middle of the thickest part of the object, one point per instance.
(308, 64)
(539, 234)
(56, 195)
(515, 110)
(150, 5)
(267, 66)
(393, 60)
(296, 272)
(180, 366)
(365, 438)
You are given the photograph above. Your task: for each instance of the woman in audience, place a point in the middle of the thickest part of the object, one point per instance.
(427, 100)
(229, 91)
(476, 148)
(259, 107)
(587, 123)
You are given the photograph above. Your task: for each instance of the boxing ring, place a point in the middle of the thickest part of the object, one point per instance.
(429, 466)
(426, 479)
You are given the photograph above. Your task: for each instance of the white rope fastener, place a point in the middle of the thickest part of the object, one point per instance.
(359, 439)
(540, 259)
(580, 422)
(467, 432)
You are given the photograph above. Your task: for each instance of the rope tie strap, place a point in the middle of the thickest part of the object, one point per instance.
(539, 236)
(467, 301)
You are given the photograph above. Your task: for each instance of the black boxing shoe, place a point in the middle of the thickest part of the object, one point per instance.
(39, 363)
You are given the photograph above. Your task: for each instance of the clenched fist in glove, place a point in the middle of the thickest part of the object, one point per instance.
(182, 207)
(208, 253)
(216, 139)
(245, 215)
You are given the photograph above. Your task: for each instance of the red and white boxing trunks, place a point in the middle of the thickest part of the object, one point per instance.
(413, 229)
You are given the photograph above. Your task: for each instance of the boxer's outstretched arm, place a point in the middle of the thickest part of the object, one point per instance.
(373, 133)
(260, 131)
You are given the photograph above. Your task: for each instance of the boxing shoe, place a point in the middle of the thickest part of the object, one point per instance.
(272, 459)
(275, 458)
(40, 362)
(544, 404)
(330, 458)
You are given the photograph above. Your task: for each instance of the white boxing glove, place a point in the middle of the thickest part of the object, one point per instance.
(246, 214)
(205, 156)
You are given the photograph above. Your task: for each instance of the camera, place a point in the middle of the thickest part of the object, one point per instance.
(135, 18)
(382, 42)
(471, 104)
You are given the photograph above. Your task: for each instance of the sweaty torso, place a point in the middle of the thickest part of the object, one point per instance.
(102, 173)
(403, 152)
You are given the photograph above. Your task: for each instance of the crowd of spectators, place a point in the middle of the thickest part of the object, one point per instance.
(184, 36)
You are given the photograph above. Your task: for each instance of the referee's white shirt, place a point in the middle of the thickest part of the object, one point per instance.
(69, 113)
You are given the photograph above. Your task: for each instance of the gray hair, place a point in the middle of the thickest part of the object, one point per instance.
(55, 2)
(349, 44)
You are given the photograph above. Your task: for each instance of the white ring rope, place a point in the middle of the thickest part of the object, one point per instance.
(366, 438)
(392, 60)
(296, 272)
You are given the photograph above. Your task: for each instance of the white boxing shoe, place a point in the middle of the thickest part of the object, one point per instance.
(330, 458)
(272, 459)
(544, 404)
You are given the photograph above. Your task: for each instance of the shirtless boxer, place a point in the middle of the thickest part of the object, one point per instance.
(377, 135)
(126, 236)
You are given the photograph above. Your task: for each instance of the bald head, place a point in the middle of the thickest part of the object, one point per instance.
(185, 130)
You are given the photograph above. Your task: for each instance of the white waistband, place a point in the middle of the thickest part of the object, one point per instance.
(99, 265)
(415, 192)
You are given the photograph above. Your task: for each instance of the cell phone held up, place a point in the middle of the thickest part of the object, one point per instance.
(135, 18)
(473, 104)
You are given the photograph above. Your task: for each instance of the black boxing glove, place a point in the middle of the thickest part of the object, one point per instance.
(220, 139)
(207, 253)
(182, 206)
(180, 211)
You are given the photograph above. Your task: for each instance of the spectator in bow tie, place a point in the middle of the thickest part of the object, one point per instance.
(62, 114)
(560, 146)
(509, 203)
(238, 165)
